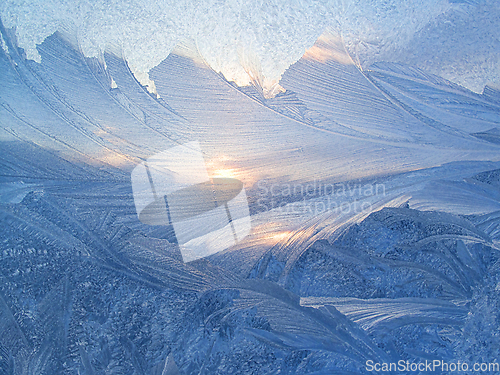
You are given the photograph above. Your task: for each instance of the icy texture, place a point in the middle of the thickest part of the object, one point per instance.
(86, 292)
(254, 40)
(87, 288)
(461, 46)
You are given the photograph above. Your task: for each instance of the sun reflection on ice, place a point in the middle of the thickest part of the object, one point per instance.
(223, 166)
(225, 173)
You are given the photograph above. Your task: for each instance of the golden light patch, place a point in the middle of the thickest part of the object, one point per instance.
(328, 47)
(280, 236)
(225, 173)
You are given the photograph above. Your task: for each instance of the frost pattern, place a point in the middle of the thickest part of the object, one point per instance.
(87, 288)
(245, 40)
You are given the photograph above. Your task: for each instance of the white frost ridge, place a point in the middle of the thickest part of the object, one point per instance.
(238, 38)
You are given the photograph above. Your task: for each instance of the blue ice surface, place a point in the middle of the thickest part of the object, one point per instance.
(87, 288)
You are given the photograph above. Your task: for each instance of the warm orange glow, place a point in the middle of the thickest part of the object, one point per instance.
(222, 166)
(279, 236)
(226, 173)
(328, 48)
